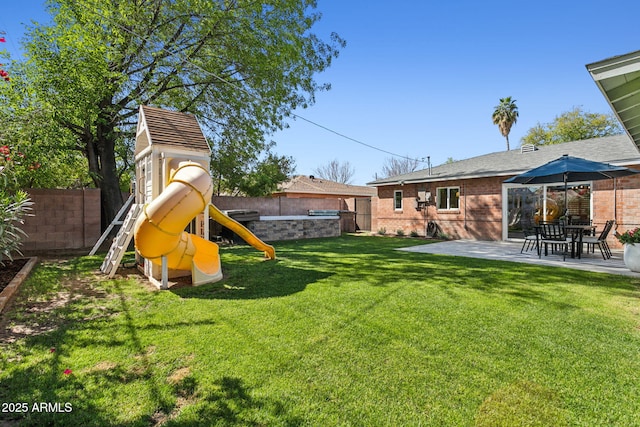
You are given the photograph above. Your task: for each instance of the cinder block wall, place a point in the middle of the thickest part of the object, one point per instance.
(62, 219)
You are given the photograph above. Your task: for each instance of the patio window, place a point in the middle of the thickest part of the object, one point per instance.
(528, 205)
(448, 198)
(397, 200)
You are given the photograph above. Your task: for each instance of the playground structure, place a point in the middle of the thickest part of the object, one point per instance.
(169, 220)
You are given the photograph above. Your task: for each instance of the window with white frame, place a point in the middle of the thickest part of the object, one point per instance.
(397, 200)
(448, 198)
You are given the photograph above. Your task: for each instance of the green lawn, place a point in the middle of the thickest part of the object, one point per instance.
(335, 332)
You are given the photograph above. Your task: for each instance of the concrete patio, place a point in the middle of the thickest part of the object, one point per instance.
(510, 251)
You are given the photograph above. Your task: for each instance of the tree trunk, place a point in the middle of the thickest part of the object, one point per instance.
(100, 152)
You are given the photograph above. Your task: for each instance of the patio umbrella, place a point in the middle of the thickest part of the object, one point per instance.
(570, 169)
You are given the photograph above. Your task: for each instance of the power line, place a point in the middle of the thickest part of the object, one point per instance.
(253, 95)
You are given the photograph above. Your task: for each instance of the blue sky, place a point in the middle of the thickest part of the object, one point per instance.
(421, 78)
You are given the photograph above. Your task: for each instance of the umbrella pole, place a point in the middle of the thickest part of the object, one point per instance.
(566, 207)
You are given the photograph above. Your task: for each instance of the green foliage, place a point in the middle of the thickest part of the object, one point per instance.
(574, 125)
(13, 209)
(239, 171)
(629, 236)
(241, 67)
(264, 179)
(315, 339)
(14, 206)
(505, 115)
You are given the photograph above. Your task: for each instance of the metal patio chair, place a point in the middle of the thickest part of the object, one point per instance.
(553, 234)
(601, 241)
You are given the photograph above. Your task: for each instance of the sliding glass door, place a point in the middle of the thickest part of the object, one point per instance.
(528, 205)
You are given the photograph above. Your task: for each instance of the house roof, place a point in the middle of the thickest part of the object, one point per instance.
(170, 128)
(618, 78)
(618, 150)
(312, 185)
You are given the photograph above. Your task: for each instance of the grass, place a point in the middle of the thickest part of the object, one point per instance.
(336, 332)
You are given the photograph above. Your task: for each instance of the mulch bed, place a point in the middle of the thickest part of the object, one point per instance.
(9, 270)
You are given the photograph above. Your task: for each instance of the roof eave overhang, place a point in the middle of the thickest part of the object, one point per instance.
(430, 179)
(618, 79)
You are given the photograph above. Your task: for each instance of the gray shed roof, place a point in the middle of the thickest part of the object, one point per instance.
(618, 150)
(169, 128)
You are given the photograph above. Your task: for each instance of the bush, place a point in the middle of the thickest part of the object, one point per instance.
(382, 231)
(413, 233)
(629, 236)
(13, 209)
(399, 232)
(14, 206)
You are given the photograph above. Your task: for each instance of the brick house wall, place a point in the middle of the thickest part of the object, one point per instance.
(623, 205)
(479, 216)
(62, 219)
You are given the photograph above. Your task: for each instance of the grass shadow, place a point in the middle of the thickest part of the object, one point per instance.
(266, 280)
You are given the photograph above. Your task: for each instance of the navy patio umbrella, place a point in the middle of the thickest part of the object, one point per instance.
(570, 169)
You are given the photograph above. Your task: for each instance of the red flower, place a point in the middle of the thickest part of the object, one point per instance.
(67, 371)
(5, 150)
(2, 40)
(52, 350)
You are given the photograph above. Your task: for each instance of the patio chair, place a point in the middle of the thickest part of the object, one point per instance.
(601, 241)
(553, 234)
(530, 238)
(582, 221)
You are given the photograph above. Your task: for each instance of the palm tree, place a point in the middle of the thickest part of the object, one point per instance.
(505, 115)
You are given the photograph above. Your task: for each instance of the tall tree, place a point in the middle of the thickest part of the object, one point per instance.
(240, 66)
(336, 171)
(237, 171)
(505, 115)
(574, 125)
(398, 166)
(3, 74)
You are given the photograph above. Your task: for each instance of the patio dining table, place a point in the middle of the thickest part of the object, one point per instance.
(577, 231)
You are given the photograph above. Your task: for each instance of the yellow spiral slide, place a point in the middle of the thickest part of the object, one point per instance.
(159, 229)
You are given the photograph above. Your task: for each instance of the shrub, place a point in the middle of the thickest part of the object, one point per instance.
(14, 206)
(382, 231)
(629, 236)
(413, 233)
(399, 232)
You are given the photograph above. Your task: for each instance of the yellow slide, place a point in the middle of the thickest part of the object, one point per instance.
(159, 229)
(246, 235)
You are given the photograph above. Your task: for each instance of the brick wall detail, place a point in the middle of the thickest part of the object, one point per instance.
(479, 216)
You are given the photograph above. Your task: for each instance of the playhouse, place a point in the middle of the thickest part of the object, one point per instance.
(169, 220)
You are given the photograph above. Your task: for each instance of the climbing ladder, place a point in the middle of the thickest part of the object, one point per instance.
(116, 221)
(121, 242)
